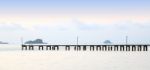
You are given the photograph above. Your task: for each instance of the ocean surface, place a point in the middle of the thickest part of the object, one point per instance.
(12, 58)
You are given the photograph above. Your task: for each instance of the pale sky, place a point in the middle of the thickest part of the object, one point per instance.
(60, 21)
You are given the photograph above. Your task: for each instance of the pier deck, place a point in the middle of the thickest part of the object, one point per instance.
(121, 47)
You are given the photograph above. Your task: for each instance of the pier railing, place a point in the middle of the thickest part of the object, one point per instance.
(133, 47)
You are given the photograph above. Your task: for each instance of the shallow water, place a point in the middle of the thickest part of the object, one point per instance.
(12, 58)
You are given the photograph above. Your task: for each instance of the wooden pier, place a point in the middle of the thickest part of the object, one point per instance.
(132, 47)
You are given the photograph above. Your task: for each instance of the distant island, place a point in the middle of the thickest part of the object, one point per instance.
(37, 41)
(3, 42)
(107, 42)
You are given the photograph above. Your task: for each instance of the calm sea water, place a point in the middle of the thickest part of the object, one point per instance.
(12, 58)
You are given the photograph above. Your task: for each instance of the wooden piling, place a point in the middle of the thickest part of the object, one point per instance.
(145, 48)
(111, 48)
(67, 48)
(98, 48)
(115, 47)
(127, 47)
(84, 48)
(133, 48)
(75, 48)
(121, 47)
(24, 46)
(48, 47)
(31, 47)
(78, 48)
(91, 47)
(41, 47)
(139, 48)
(55, 47)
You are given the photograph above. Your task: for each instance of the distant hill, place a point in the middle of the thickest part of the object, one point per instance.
(37, 41)
(3, 42)
(107, 42)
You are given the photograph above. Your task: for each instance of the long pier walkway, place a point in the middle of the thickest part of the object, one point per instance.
(133, 47)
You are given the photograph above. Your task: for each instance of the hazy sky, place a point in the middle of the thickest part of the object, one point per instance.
(60, 21)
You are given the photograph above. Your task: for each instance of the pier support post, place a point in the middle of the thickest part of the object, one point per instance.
(121, 47)
(127, 47)
(31, 47)
(75, 48)
(104, 47)
(109, 48)
(116, 48)
(78, 48)
(24, 46)
(145, 48)
(48, 47)
(133, 48)
(41, 47)
(56, 47)
(67, 48)
(84, 48)
(91, 47)
(139, 48)
(98, 48)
